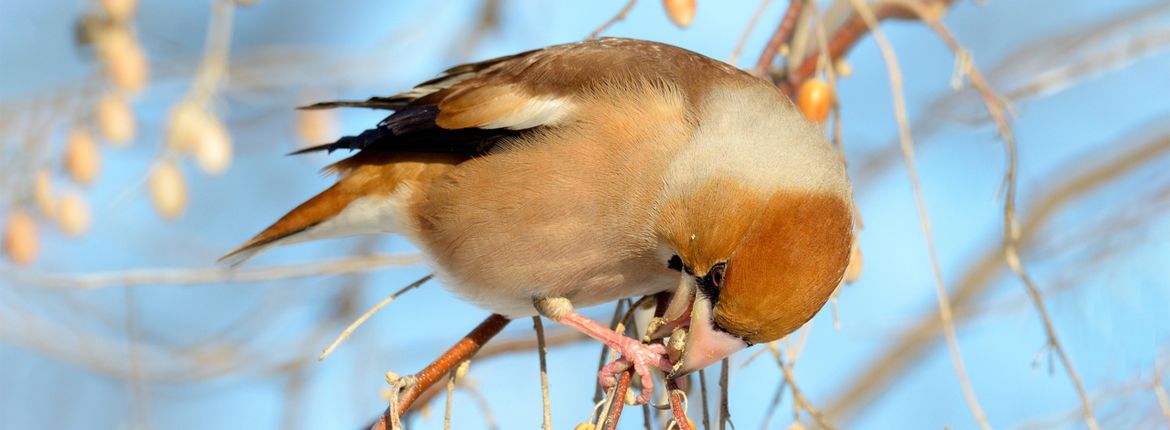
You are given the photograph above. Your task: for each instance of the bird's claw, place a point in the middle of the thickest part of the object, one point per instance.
(642, 357)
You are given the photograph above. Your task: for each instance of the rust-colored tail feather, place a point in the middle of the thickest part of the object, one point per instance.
(310, 213)
(366, 174)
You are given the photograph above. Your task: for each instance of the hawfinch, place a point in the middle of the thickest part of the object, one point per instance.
(585, 173)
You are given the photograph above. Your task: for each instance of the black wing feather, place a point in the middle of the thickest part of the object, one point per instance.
(413, 129)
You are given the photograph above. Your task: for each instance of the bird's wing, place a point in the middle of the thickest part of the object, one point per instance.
(470, 107)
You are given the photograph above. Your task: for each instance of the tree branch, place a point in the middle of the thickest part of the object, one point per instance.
(779, 37)
(620, 16)
(208, 275)
(914, 342)
(907, 144)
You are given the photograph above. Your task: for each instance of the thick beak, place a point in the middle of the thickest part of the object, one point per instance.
(705, 344)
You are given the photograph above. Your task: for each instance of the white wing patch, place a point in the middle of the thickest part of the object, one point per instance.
(537, 111)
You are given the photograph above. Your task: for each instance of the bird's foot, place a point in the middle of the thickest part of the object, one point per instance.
(642, 357)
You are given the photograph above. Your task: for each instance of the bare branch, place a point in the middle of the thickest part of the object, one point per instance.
(1160, 392)
(678, 407)
(209, 275)
(779, 37)
(998, 111)
(912, 344)
(724, 410)
(617, 400)
(703, 397)
(747, 31)
(541, 351)
(404, 393)
(620, 16)
(798, 397)
(365, 316)
(944, 302)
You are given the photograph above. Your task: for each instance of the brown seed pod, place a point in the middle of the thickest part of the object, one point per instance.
(43, 193)
(21, 243)
(123, 58)
(853, 271)
(183, 125)
(115, 119)
(213, 148)
(119, 10)
(83, 161)
(814, 99)
(168, 190)
(74, 214)
(681, 12)
(316, 126)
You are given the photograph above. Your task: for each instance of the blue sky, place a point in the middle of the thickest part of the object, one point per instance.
(64, 353)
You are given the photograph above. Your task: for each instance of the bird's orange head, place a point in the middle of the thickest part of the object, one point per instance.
(757, 210)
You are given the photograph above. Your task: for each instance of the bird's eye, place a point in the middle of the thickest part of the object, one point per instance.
(716, 274)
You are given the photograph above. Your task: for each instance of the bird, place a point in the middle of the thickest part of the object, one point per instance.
(584, 173)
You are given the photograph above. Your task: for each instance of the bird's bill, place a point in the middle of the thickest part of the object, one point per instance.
(705, 344)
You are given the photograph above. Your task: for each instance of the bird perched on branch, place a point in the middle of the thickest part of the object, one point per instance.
(580, 174)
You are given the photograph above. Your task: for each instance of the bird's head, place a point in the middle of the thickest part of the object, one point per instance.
(759, 222)
(761, 269)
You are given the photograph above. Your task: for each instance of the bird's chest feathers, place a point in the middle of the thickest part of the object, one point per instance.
(586, 274)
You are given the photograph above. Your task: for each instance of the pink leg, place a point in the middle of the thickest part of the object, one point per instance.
(635, 353)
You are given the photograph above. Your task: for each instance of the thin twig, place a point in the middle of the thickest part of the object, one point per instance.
(365, 316)
(620, 16)
(747, 31)
(907, 144)
(138, 395)
(724, 410)
(541, 351)
(488, 418)
(752, 358)
(1160, 393)
(703, 397)
(835, 110)
(554, 338)
(450, 392)
(775, 404)
(798, 397)
(914, 343)
(214, 64)
(997, 110)
(780, 37)
(209, 275)
(844, 38)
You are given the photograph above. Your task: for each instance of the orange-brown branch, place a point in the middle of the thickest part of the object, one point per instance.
(619, 399)
(781, 36)
(463, 350)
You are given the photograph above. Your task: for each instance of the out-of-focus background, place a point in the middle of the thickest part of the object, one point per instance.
(113, 313)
